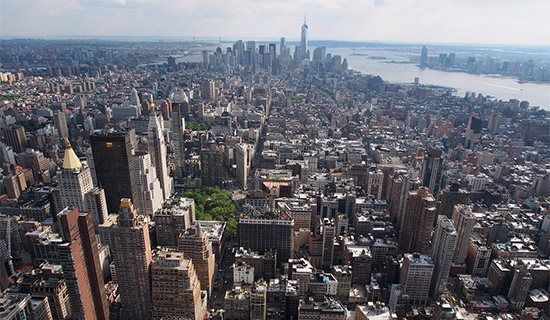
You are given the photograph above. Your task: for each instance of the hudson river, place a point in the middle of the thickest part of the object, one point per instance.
(498, 87)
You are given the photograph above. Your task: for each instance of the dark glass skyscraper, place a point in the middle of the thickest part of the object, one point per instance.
(114, 166)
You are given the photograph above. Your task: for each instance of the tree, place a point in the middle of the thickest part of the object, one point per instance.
(213, 203)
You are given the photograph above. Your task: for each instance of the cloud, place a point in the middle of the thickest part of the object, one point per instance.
(470, 21)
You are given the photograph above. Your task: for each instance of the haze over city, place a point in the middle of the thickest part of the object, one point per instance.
(251, 159)
(426, 21)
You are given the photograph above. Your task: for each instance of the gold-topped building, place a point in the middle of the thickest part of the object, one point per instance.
(76, 187)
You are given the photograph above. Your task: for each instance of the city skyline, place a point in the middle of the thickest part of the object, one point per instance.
(449, 21)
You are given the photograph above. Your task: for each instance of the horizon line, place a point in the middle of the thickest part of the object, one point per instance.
(217, 39)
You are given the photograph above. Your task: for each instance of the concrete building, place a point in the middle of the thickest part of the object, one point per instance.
(149, 194)
(416, 276)
(444, 242)
(478, 258)
(243, 273)
(195, 245)
(133, 257)
(241, 153)
(75, 249)
(60, 123)
(328, 309)
(432, 170)
(177, 124)
(418, 219)
(343, 275)
(258, 301)
(519, 287)
(211, 167)
(51, 285)
(76, 187)
(175, 288)
(268, 231)
(328, 230)
(464, 221)
(14, 136)
(265, 265)
(176, 216)
(157, 149)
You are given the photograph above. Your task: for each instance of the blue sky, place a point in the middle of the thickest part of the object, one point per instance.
(523, 22)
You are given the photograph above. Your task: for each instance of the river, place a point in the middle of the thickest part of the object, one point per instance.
(538, 94)
(502, 88)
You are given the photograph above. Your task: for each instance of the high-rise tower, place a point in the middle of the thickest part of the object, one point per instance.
(60, 122)
(149, 193)
(442, 253)
(303, 41)
(76, 250)
(195, 245)
(76, 187)
(133, 257)
(114, 166)
(416, 276)
(417, 223)
(176, 291)
(424, 57)
(157, 150)
(432, 170)
(179, 99)
(464, 221)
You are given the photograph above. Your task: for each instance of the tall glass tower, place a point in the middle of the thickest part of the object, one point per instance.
(303, 41)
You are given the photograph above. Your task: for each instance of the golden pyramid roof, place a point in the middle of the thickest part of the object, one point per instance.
(70, 161)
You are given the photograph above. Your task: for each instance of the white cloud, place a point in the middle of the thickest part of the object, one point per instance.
(469, 21)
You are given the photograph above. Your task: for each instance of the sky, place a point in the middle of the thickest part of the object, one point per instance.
(520, 22)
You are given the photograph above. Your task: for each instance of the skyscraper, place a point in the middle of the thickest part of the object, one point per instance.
(76, 187)
(149, 193)
(473, 132)
(432, 170)
(176, 216)
(450, 197)
(15, 137)
(410, 182)
(133, 257)
(417, 223)
(303, 41)
(520, 287)
(178, 125)
(195, 245)
(77, 253)
(329, 233)
(211, 167)
(442, 253)
(114, 166)
(416, 276)
(243, 165)
(134, 98)
(424, 57)
(157, 150)
(175, 288)
(60, 122)
(464, 221)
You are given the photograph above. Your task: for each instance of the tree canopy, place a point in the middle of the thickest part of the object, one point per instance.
(213, 203)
